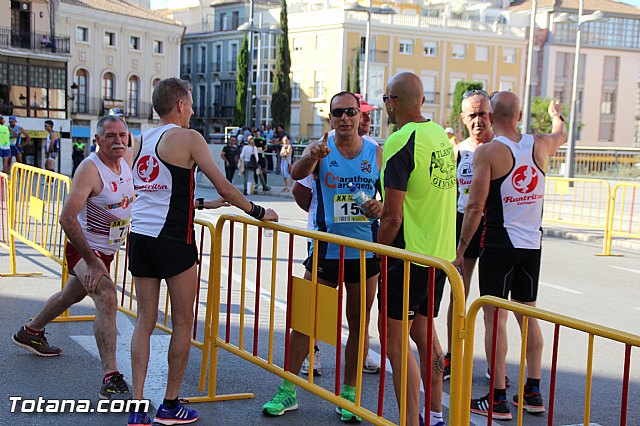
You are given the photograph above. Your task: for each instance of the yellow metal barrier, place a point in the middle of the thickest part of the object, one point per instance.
(628, 339)
(128, 304)
(582, 202)
(314, 295)
(624, 214)
(5, 192)
(35, 204)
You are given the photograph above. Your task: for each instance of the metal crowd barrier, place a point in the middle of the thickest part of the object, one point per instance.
(612, 163)
(304, 302)
(627, 339)
(624, 214)
(5, 191)
(574, 201)
(35, 203)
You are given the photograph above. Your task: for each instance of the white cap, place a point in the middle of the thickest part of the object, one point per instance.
(449, 130)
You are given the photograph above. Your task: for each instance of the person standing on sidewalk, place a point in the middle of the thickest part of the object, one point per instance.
(230, 155)
(162, 239)
(286, 154)
(52, 148)
(5, 146)
(418, 215)
(357, 162)
(95, 219)
(475, 114)
(17, 133)
(508, 186)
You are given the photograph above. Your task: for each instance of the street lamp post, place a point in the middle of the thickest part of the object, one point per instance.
(571, 142)
(251, 29)
(526, 109)
(385, 9)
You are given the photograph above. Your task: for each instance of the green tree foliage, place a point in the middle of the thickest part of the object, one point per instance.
(355, 84)
(348, 79)
(281, 95)
(454, 120)
(242, 76)
(540, 120)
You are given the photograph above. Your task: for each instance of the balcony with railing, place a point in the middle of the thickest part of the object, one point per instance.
(33, 41)
(215, 111)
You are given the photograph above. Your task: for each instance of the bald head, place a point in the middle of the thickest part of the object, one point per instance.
(505, 106)
(408, 89)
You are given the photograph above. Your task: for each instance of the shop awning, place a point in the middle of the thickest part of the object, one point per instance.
(81, 132)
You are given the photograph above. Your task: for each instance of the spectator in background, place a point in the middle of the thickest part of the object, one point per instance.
(269, 133)
(5, 148)
(261, 146)
(230, 154)
(285, 162)
(452, 136)
(77, 155)
(17, 133)
(52, 148)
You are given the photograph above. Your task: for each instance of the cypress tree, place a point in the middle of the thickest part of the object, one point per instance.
(355, 85)
(281, 96)
(242, 78)
(348, 78)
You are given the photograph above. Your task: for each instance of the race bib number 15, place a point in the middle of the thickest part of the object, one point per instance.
(118, 231)
(346, 210)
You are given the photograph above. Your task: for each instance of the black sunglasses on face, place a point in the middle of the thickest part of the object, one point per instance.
(337, 112)
(386, 97)
(475, 92)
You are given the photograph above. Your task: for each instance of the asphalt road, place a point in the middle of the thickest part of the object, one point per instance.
(574, 282)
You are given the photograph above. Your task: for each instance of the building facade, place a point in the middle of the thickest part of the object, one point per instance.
(116, 61)
(34, 59)
(435, 43)
(608, 91)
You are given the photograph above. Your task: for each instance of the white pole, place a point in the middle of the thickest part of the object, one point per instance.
(365, 86)
(570, 167)
(249, 66)
(526, 109)
(258, 73)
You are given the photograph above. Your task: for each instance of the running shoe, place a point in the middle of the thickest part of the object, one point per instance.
(283, 401)
(178, 416)
(500, 408)
(370, 366)
(136, 419)
(36, 344)
(317, 367)
(533, 402)
(446, 373)
(487, 376)
(345, 415)
(116, 388)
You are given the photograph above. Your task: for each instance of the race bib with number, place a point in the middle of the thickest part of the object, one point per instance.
(346, 210)
(118, 231)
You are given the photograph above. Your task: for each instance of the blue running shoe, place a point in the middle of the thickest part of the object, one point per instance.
(178, 416)
(136, 419)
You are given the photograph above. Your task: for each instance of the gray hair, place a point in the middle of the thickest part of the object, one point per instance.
(108, 119)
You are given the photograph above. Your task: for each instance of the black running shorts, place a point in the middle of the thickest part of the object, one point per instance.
(159, 257)
(473, 249)
(329, 269)
(510, 270)
(418, 290)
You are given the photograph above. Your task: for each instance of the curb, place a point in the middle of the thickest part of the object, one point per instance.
(624, 244)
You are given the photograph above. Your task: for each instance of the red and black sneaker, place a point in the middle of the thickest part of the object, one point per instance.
(500, 408)
(37, 344)
(532, 402)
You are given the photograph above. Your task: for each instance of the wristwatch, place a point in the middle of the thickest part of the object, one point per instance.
(200, 205)
(558, 115)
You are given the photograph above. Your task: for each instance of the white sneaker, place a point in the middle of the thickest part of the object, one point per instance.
(317, 368)
(370, 367)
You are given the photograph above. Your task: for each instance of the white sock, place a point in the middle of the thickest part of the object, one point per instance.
(435, 418)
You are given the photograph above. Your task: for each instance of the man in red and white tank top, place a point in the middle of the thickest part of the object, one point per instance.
(95, 219)
(161, 243)
(508, 186)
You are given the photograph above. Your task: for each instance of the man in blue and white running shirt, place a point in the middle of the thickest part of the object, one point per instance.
(335, 162)
(508, 186)
(17, 133)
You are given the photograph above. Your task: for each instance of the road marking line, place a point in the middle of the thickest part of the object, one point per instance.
(558, 287)
(626, 269)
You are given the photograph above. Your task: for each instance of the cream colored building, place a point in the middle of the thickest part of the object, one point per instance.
(324, 40)
(608, 95)
(119, 51)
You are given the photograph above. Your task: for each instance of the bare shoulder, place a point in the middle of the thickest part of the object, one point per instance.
(87, 178)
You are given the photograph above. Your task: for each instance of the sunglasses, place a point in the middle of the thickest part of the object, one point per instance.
(475, 92)
(387, 97)
(337, 112)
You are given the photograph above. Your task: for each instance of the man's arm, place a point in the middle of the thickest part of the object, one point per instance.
(302, 195)
(224, 157)
(24, 133)
(311, 157)
(85, 182)
(391, 219)
(202, 157)
(477, 199)
(551, 142)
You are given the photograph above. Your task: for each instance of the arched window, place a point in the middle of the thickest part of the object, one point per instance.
(154, 115)
(133, 91)
(82, 81)
(108, 86)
